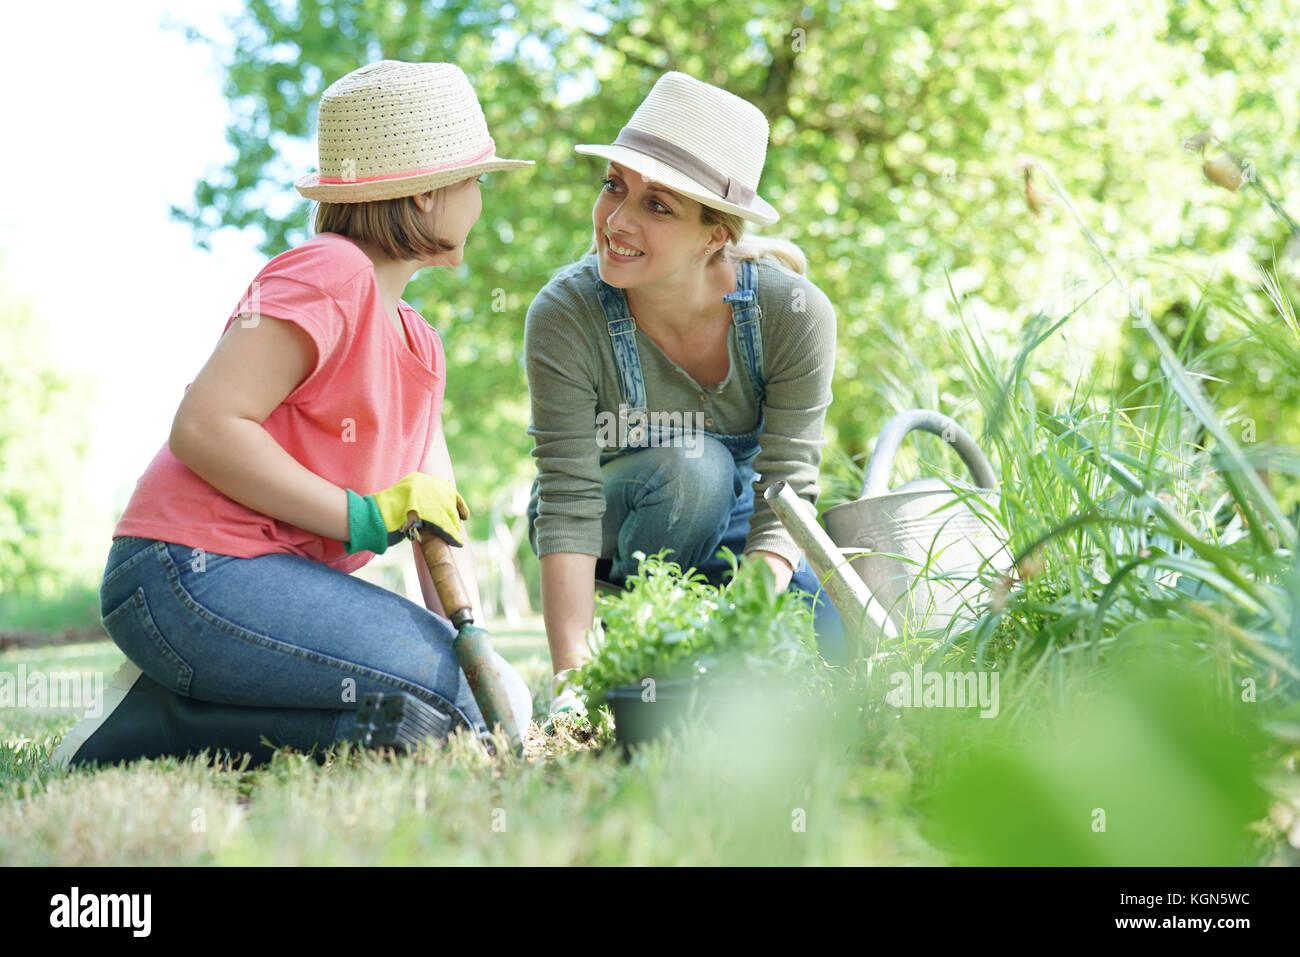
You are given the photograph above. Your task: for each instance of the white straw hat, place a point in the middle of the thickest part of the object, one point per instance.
(698, 140)
(395, 129)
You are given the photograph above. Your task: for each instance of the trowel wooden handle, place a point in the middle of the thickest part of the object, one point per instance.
(446, 579)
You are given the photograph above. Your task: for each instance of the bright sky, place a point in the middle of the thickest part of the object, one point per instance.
(110, 119)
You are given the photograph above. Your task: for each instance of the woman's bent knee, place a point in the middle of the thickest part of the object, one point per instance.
(680, 479)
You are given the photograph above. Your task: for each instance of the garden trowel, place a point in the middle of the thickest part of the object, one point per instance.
(481, 665)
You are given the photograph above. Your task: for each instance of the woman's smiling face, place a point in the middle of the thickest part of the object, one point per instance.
(659, 231)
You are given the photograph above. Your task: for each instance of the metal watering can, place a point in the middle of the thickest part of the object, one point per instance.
(910, 555)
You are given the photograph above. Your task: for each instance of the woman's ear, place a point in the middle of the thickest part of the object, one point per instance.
(424, 201)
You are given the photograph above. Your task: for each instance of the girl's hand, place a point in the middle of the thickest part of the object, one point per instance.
(374, 519)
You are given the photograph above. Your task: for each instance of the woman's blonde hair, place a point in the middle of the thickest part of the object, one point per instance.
(394, 225)
(740, 247)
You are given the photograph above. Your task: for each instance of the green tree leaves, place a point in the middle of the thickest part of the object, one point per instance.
(895, 130)
(43, 442)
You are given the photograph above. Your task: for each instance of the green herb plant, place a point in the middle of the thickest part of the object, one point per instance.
(672, 625)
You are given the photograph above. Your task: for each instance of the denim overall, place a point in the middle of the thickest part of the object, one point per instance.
(743, 448)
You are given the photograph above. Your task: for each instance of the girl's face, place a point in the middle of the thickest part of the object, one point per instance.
(658, 230)
(455, 212)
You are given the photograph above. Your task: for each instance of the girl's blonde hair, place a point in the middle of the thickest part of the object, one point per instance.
(781, 251)
(394, 225)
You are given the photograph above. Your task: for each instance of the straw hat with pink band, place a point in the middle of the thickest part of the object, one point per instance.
(393, 129)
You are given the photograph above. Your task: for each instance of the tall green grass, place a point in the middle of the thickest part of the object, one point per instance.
(1145, 624)
(1127, 515)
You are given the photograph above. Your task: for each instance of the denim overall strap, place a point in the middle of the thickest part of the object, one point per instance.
(627, 359)
(747, 316)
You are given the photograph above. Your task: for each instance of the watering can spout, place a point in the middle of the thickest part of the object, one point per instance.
(848, 593)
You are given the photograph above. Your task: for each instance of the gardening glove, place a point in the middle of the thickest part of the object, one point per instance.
(379, 520)
(564, 698)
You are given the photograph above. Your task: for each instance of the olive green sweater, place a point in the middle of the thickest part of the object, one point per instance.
(572, 378)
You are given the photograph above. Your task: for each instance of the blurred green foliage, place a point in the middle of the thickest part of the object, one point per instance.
(894, 134)
(1155, 768)
(38, 477)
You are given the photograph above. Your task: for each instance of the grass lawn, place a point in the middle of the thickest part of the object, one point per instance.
(859, 786)
(765, 798)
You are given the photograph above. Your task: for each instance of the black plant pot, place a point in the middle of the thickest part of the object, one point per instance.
(674, 703)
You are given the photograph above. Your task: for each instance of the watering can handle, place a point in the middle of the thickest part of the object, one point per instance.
(881, 465)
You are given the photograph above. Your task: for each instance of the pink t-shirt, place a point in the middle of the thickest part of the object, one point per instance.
(363, 418)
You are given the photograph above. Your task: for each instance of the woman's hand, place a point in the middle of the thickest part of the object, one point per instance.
(781, 569)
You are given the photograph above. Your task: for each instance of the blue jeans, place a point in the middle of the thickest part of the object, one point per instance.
(693, 502)
(276, 631)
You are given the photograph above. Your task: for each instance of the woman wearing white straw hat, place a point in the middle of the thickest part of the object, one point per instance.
(671, 364)
(296, 455)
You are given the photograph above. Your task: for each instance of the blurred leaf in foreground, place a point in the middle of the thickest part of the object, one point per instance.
(1152, 770)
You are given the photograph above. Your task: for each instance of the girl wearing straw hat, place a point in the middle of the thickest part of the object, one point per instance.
(672, 366)
(297, 454)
